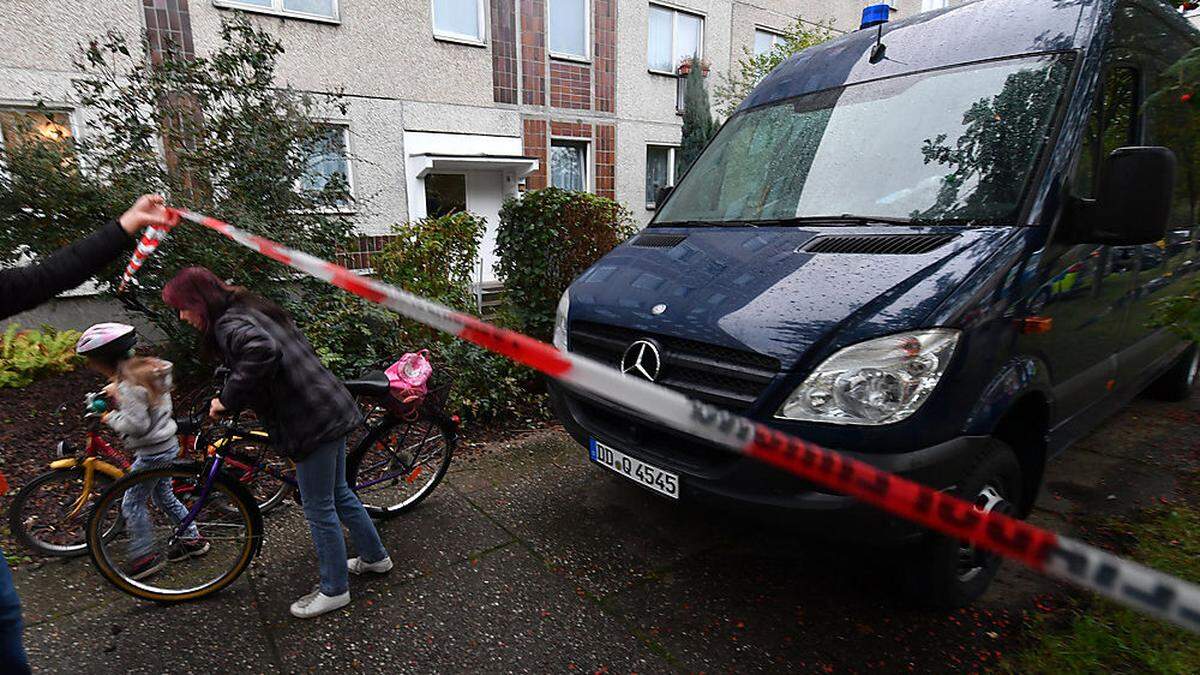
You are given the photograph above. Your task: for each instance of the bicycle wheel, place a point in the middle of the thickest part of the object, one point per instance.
(46, 514)
(256, 467)
(398, 463)
(226, 518)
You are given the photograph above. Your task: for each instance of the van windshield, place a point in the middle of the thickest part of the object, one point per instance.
(951, 146)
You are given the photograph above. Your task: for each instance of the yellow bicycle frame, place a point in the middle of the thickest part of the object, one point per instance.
(90, 466)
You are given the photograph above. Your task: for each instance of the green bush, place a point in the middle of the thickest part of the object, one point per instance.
(545, 240)
(435, 258)
(29, 355)
(350, 335)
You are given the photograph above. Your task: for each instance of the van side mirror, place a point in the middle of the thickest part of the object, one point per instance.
(1137, 185)
(660, 197)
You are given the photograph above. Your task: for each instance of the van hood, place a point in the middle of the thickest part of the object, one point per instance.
(757, 289)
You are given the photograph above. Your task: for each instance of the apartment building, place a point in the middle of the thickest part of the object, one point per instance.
(453, 104)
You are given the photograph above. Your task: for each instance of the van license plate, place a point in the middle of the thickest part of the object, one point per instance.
(635, 469)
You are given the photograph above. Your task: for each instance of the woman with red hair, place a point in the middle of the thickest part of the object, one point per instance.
(308, 412)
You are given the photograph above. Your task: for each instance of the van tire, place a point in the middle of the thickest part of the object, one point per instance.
(945, 573)
(1176, 384)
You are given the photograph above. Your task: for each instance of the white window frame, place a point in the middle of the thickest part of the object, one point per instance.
(929, 5)
(462, 38)
(31, 106)
(675, 12)
(587, 160)
(776, 37)
(587, 36)
(276, 9)
(344, 125)
(671, 150)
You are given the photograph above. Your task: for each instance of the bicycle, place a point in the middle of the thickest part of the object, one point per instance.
(227, 515)
(49, 514)
(388, 454)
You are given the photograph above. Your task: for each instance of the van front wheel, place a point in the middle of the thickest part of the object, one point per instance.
(948, 573)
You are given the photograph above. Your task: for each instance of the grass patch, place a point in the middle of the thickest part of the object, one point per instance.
(1105, 637)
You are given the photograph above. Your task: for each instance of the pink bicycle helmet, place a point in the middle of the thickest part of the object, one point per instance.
(107, 342)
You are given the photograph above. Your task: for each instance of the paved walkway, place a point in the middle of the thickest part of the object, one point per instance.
(530, 559)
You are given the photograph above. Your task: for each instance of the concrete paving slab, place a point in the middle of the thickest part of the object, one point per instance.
(220, 634)
(598, 529)
(442, 531)
(502, 613)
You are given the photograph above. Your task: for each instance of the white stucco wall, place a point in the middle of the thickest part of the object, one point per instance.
(381, 48)
(40, 41)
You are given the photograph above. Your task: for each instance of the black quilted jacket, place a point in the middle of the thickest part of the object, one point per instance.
(275, 372)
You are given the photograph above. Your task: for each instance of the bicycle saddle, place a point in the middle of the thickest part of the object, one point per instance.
(369, 384)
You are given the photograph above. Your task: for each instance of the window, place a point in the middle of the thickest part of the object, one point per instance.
(445, 193)
(660, 171)
(672, 38)
(569, 28)
(568, 165)
(21, 124)
(458, 19)
(329, 165)
(765, 41)
(306, 9)
(1112, 124)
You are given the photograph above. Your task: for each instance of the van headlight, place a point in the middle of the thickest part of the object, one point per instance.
(560, 321)
(875, 382)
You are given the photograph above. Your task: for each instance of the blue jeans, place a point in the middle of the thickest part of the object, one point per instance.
(12, 652)
(133, 504)
(328, 505)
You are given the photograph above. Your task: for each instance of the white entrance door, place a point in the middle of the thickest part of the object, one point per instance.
(485, 194)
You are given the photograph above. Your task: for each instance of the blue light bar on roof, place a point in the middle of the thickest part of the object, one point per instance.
(873, 15)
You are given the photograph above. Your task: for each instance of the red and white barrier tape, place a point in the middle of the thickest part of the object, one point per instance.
(1144, 589)
(151, 238)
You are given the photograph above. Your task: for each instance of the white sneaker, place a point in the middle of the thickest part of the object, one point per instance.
(358, 565)
(317, 603)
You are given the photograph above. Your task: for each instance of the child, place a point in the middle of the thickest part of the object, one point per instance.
(140, 389)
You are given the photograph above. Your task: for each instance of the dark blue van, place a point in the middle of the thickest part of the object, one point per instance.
(934, 247)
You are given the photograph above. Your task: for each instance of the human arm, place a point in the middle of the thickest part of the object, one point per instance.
(252, 355)
(132, 417)
(23, 288)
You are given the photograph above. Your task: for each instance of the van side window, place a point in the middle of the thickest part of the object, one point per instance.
(1171, 122)
(1113, 124)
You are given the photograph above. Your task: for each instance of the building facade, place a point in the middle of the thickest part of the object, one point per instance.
(453, 104)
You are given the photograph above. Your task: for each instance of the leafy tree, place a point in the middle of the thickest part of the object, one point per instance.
(751, 69)
(214, 133)
(698, 124)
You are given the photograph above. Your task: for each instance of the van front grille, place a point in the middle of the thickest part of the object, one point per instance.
(878, 244)
(729, 378)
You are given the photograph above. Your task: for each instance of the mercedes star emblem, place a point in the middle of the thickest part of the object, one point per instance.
(658, 309)
(641, 359)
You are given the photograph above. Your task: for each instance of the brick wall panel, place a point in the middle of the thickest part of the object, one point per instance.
(504, 51)
(604, 27)
(535, 143)
(533, 52)
(570, 86)
(605, 144)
